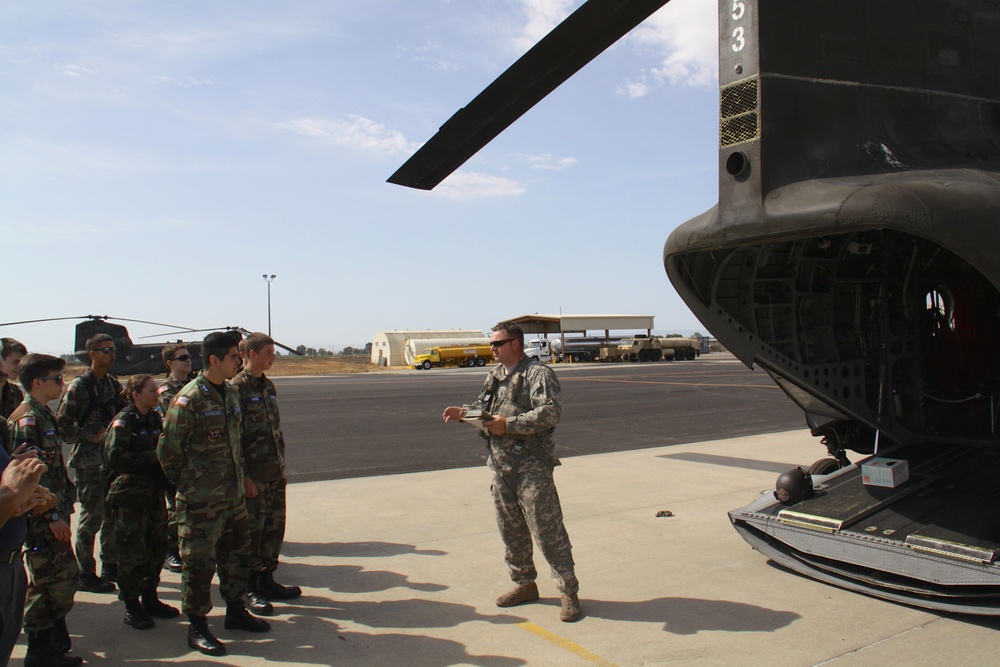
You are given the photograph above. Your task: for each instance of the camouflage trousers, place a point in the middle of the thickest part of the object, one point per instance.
(13, 589)
(53, 579)
(267, 524)
(91, 490)
(534, 511)
(209, 535)
(171, 523)
(140, 529)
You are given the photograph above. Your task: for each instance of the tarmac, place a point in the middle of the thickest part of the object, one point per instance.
(404, 570)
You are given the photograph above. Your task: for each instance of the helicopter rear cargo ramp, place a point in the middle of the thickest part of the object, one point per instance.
(932, 542)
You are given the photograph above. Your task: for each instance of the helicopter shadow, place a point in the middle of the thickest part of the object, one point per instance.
(340, 549)
(689, 616)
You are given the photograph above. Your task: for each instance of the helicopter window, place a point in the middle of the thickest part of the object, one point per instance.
(941, 309)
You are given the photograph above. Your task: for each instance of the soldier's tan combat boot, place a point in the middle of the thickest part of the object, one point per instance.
(570, 608)
(518, 595)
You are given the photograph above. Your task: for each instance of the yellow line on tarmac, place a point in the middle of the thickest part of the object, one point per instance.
(564, 643)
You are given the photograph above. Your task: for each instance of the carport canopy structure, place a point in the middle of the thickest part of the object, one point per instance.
(547, 325)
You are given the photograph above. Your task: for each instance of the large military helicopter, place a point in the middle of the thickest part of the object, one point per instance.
(852, 255)
(133, 358)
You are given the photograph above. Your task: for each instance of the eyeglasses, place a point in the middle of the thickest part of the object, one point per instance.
(183, 357)
(500, 343)
(105, 350)
(57, 378)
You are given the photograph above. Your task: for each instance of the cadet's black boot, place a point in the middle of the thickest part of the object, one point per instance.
(41, 652)
(136, 616)
(255, 600)
(238, 618)
(200, 638)
(60, 636)
(272, 590)
(153, 606)
(173, 562)
(109, 572)
(91, 583)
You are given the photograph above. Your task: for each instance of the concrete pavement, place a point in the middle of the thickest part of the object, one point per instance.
(403, 570)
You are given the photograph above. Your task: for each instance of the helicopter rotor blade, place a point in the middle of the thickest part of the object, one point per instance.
(56, 319)
(171, 333)
(159, 324)
(247, 332)
(585, 33)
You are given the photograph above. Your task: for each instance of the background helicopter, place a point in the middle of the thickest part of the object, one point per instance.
(851, 255)
(134, 358)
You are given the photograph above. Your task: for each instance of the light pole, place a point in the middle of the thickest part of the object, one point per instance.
(268, 281)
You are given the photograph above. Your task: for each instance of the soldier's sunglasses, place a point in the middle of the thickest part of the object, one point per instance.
(500, 343)
(105, 350)
(183, 357)
(57, 378)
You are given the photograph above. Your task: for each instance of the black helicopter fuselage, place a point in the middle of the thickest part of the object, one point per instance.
(852, 255)
(130, 358)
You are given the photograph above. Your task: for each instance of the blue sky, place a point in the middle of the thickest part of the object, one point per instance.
(158, 158)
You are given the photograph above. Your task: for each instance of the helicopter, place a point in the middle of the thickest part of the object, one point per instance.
(135, 358)
(851, 256)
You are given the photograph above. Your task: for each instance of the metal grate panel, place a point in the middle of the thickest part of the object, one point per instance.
(739, 120)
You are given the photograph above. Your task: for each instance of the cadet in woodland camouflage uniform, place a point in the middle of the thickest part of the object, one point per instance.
(54, 573)
(135, 497)
(200, 454)
(84, 414)
(11, 353)
(524, 398)
(178, 362)
(264, 479)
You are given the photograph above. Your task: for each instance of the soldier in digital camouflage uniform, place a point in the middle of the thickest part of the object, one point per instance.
(264, 479)
(84, 414)
(524, 398)
(201, 456)
(136, 497)
(11, 353)
(177, 359)
(54, 575)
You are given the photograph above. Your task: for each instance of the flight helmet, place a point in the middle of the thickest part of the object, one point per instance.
(793, 486)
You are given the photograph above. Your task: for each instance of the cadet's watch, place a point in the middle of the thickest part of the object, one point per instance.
(53, 516)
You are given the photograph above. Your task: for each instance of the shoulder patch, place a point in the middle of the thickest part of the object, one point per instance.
(182, 401)
(24, 422)
(118, 423)
(162, 389)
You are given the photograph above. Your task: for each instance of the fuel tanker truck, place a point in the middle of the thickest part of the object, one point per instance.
(578, 348)
(454, 355)
(632, 348)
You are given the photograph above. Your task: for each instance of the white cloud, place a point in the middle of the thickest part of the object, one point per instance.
(77, 70)
(355, 132)
(543, 16)
(633, 89)
(550, 162)
(428, 55)
(687, 31)
(188, 82)
(465, 185)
